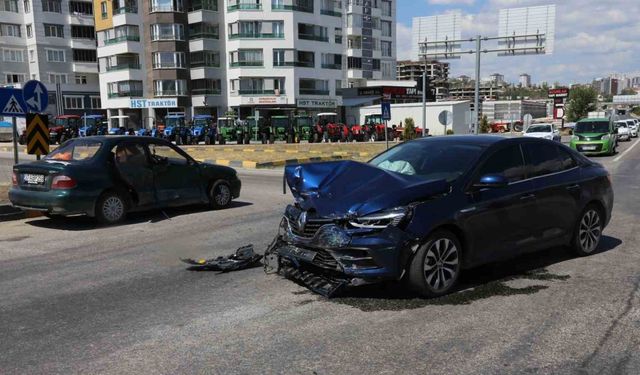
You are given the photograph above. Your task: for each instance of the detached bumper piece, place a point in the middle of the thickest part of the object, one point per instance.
(243, 258)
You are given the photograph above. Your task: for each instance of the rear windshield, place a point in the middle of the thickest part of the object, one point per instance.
(77, 150)
(592, 127)
(539, 129)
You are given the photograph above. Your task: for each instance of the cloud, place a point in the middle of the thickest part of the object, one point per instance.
(403, 41)
(451, 2)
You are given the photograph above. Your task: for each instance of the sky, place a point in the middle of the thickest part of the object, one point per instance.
(594, 38)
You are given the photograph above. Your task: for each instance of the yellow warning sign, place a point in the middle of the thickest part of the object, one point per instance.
(37, 134)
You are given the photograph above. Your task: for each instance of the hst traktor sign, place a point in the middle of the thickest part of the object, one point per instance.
(154, 103)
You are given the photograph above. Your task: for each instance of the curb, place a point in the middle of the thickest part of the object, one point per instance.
(248, 164)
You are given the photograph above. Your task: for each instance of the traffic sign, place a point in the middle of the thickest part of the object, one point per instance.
(445, 118)
(37, 134)
(35, 94)
(11, 102)
(386, 111)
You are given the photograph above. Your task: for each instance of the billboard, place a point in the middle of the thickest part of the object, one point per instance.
(527, 22)
(439, 28)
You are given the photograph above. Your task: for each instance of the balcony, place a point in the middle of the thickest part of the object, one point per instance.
(132, 9)
(332, 66)
(169, 93)
(204, 64)
(330, 12)
(256, 36)
(125, 94)
(313, 92)
(243, 6)
(238, 64)
(206, 92)
(211, 5)
(203, 35)
(299, 64)
(260, 92)
(85, 67)
(165, 8)
(123, 66)
(279, 6)
(318, 38)
(120, 39)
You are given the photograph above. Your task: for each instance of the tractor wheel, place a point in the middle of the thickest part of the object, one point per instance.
(178, 140)
(350, 138)
(240, 139)
(247, 139)
(272, 139)
(290, 138)
(263, 138)
(207, 140)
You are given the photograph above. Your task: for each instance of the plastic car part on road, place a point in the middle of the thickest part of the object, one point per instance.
(243, 258)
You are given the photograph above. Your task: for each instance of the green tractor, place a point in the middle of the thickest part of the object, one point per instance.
(303, 125)
(281, 129)
(227, 130)
(244, 130)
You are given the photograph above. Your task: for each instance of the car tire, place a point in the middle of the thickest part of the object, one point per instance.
(220, 195)
(436, 265)
(111, 208)
(588, 232)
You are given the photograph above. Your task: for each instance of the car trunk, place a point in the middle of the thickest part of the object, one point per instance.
(37, 176)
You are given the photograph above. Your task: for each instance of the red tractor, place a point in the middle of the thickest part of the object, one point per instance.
(359, 133)
(328, 129)
(378, 127)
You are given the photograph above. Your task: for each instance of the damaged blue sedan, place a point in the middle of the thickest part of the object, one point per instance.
(427, 209)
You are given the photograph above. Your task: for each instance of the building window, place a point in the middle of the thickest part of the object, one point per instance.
(14, 78)
(386, 28)
(202, 30)
(81, 8)
(354, 62)
(9, 6)
(83, 32)
(27, 6)
(313, 86)
(167, 31)
(32, 55)
(124, 89)
(169, 60)
(10, 29)
(81, 79)
(96, 103)
(57, 78)
(386, 8)
(312, 32)
(53, 30)
(170, 87)
(84, 55)
(29, 31)
(246, 57)
(13, 55)
(206, 87)
(103, 10)
(205, 59)
(55, 55)
(54, 6)
(338, 35)
(385, 46)
(166, 6)
(73, 102)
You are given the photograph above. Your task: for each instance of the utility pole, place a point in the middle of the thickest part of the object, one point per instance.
(424, 101)
(476, 103)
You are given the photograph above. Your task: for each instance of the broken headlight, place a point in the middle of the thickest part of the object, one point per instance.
(383, 219)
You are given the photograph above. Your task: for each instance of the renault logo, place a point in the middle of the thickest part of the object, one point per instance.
(302, 221)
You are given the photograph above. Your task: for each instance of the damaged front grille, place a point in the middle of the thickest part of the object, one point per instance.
(325, 260)
(307, 228)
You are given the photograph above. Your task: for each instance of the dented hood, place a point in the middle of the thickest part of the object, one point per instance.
(335, 189)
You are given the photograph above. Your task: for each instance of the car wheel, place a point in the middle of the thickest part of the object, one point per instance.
(435, 267)
(111, 208)
(588, 231)
(220, 195)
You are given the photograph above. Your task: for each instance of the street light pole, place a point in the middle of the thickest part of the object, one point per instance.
(476, 103)
(424, 101)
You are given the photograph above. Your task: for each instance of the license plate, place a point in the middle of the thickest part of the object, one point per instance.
(589, 148)
(33, 179)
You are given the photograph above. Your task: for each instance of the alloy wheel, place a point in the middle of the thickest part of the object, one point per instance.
(113, 209)
(222, 195)
(590, 231)
(441, 264)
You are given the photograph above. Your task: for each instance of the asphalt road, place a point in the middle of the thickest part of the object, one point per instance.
(79, 299)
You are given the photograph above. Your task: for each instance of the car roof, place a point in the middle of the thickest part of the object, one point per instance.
(480, 140)
(594, 119)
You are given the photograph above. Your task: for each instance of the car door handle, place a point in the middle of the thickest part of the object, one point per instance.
(526, 197)
(573, 187)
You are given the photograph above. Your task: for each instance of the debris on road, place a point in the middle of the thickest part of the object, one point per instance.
(243, 258)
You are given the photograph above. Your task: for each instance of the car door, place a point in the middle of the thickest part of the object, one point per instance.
(176, 177)
(556, 177)
(500, 220)
(134, 168)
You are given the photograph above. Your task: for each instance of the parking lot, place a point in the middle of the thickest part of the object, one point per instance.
(77, 298)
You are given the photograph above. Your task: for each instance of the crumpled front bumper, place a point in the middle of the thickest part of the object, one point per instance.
(350, 257)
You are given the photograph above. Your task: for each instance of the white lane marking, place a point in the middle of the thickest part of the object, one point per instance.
(626, 151)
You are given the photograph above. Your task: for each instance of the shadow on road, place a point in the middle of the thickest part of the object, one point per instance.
(84, 223)
(474, 284)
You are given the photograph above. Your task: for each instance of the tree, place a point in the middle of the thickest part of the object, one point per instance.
(409, 131)
(636, 111)
(582, 100)
(484, 124)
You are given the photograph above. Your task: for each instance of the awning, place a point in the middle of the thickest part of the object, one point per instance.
(358, 101)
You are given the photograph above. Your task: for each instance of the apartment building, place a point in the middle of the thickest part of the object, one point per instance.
(437, 73)
(52, 41)
(212, 56)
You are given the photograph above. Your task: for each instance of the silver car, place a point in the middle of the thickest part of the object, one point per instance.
(545, 131)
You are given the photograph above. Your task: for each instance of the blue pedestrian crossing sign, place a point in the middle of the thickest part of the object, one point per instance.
(386, 111)
(36, 96)
(11, 103)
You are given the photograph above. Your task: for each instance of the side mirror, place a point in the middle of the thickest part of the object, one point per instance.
(492, 181)
(615, 131)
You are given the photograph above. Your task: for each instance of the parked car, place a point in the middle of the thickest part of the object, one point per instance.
(633, 127)
(623, 131)
(107, 177)
(595, 136)
(545, 131)
(436, 206)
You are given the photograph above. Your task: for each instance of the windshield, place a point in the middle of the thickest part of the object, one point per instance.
(429, 160)
(201, 122)
(304, 121)
(174, 121)
(592, 127)
(280, 122)
(539, 129)
(76, 150)
(92, 121)
(71, 121)
(226, 123)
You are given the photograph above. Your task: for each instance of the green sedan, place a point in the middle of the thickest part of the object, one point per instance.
(107, 177)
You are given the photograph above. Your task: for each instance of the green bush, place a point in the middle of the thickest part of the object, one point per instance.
(484, 125)
(409, 131)
(449, 131)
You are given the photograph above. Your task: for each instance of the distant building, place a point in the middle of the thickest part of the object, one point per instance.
(525, 80)
(437, 72)
(496, 79)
